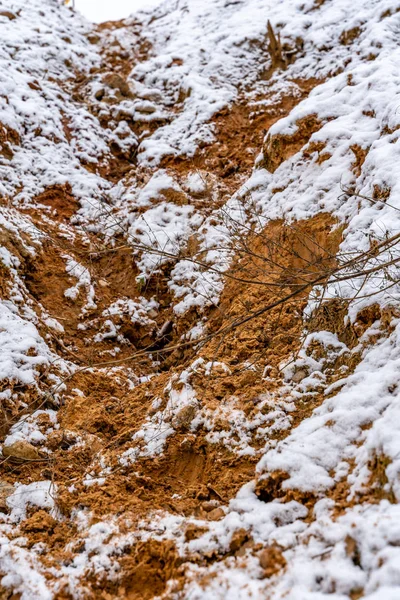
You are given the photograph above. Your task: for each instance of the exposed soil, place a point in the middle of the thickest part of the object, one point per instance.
(109, 396)
(239, 132)
(192, 476)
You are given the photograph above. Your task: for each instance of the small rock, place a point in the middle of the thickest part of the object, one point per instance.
(183, 419)
(299, 375)
(151, 95)
(93, 38)
(6, 489)
(216, 514)
(209, 505)
(20, 450)
(146, 108)
(99, 94)
(165, 329)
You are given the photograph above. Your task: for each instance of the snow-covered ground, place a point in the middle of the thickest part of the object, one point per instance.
(99, 11)
(60, 118)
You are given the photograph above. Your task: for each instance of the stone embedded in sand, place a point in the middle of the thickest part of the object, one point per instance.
(6, 489)
(209, 505)
(93, 38)
(20, 450)
(152, 95)
(216, 514)
(99, 94)
(299, 375)
(147, 108)
(183, 419)
(272, 560)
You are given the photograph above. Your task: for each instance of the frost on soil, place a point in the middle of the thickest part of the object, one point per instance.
(140, 457)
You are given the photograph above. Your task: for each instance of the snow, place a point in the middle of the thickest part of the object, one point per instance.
(140, 312)
(21, 572)
(30, 107)
(27, 428)
(99, 11)
(312, 452)
(163, 229)
(316, 453)
(204, 56)
(151, 437)
(196, 183)
(39, 494)
(82, 274)
(17, 338)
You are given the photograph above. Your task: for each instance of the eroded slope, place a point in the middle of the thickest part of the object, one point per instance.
(199, 302)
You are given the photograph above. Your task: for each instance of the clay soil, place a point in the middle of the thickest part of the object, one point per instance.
(100, 408)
